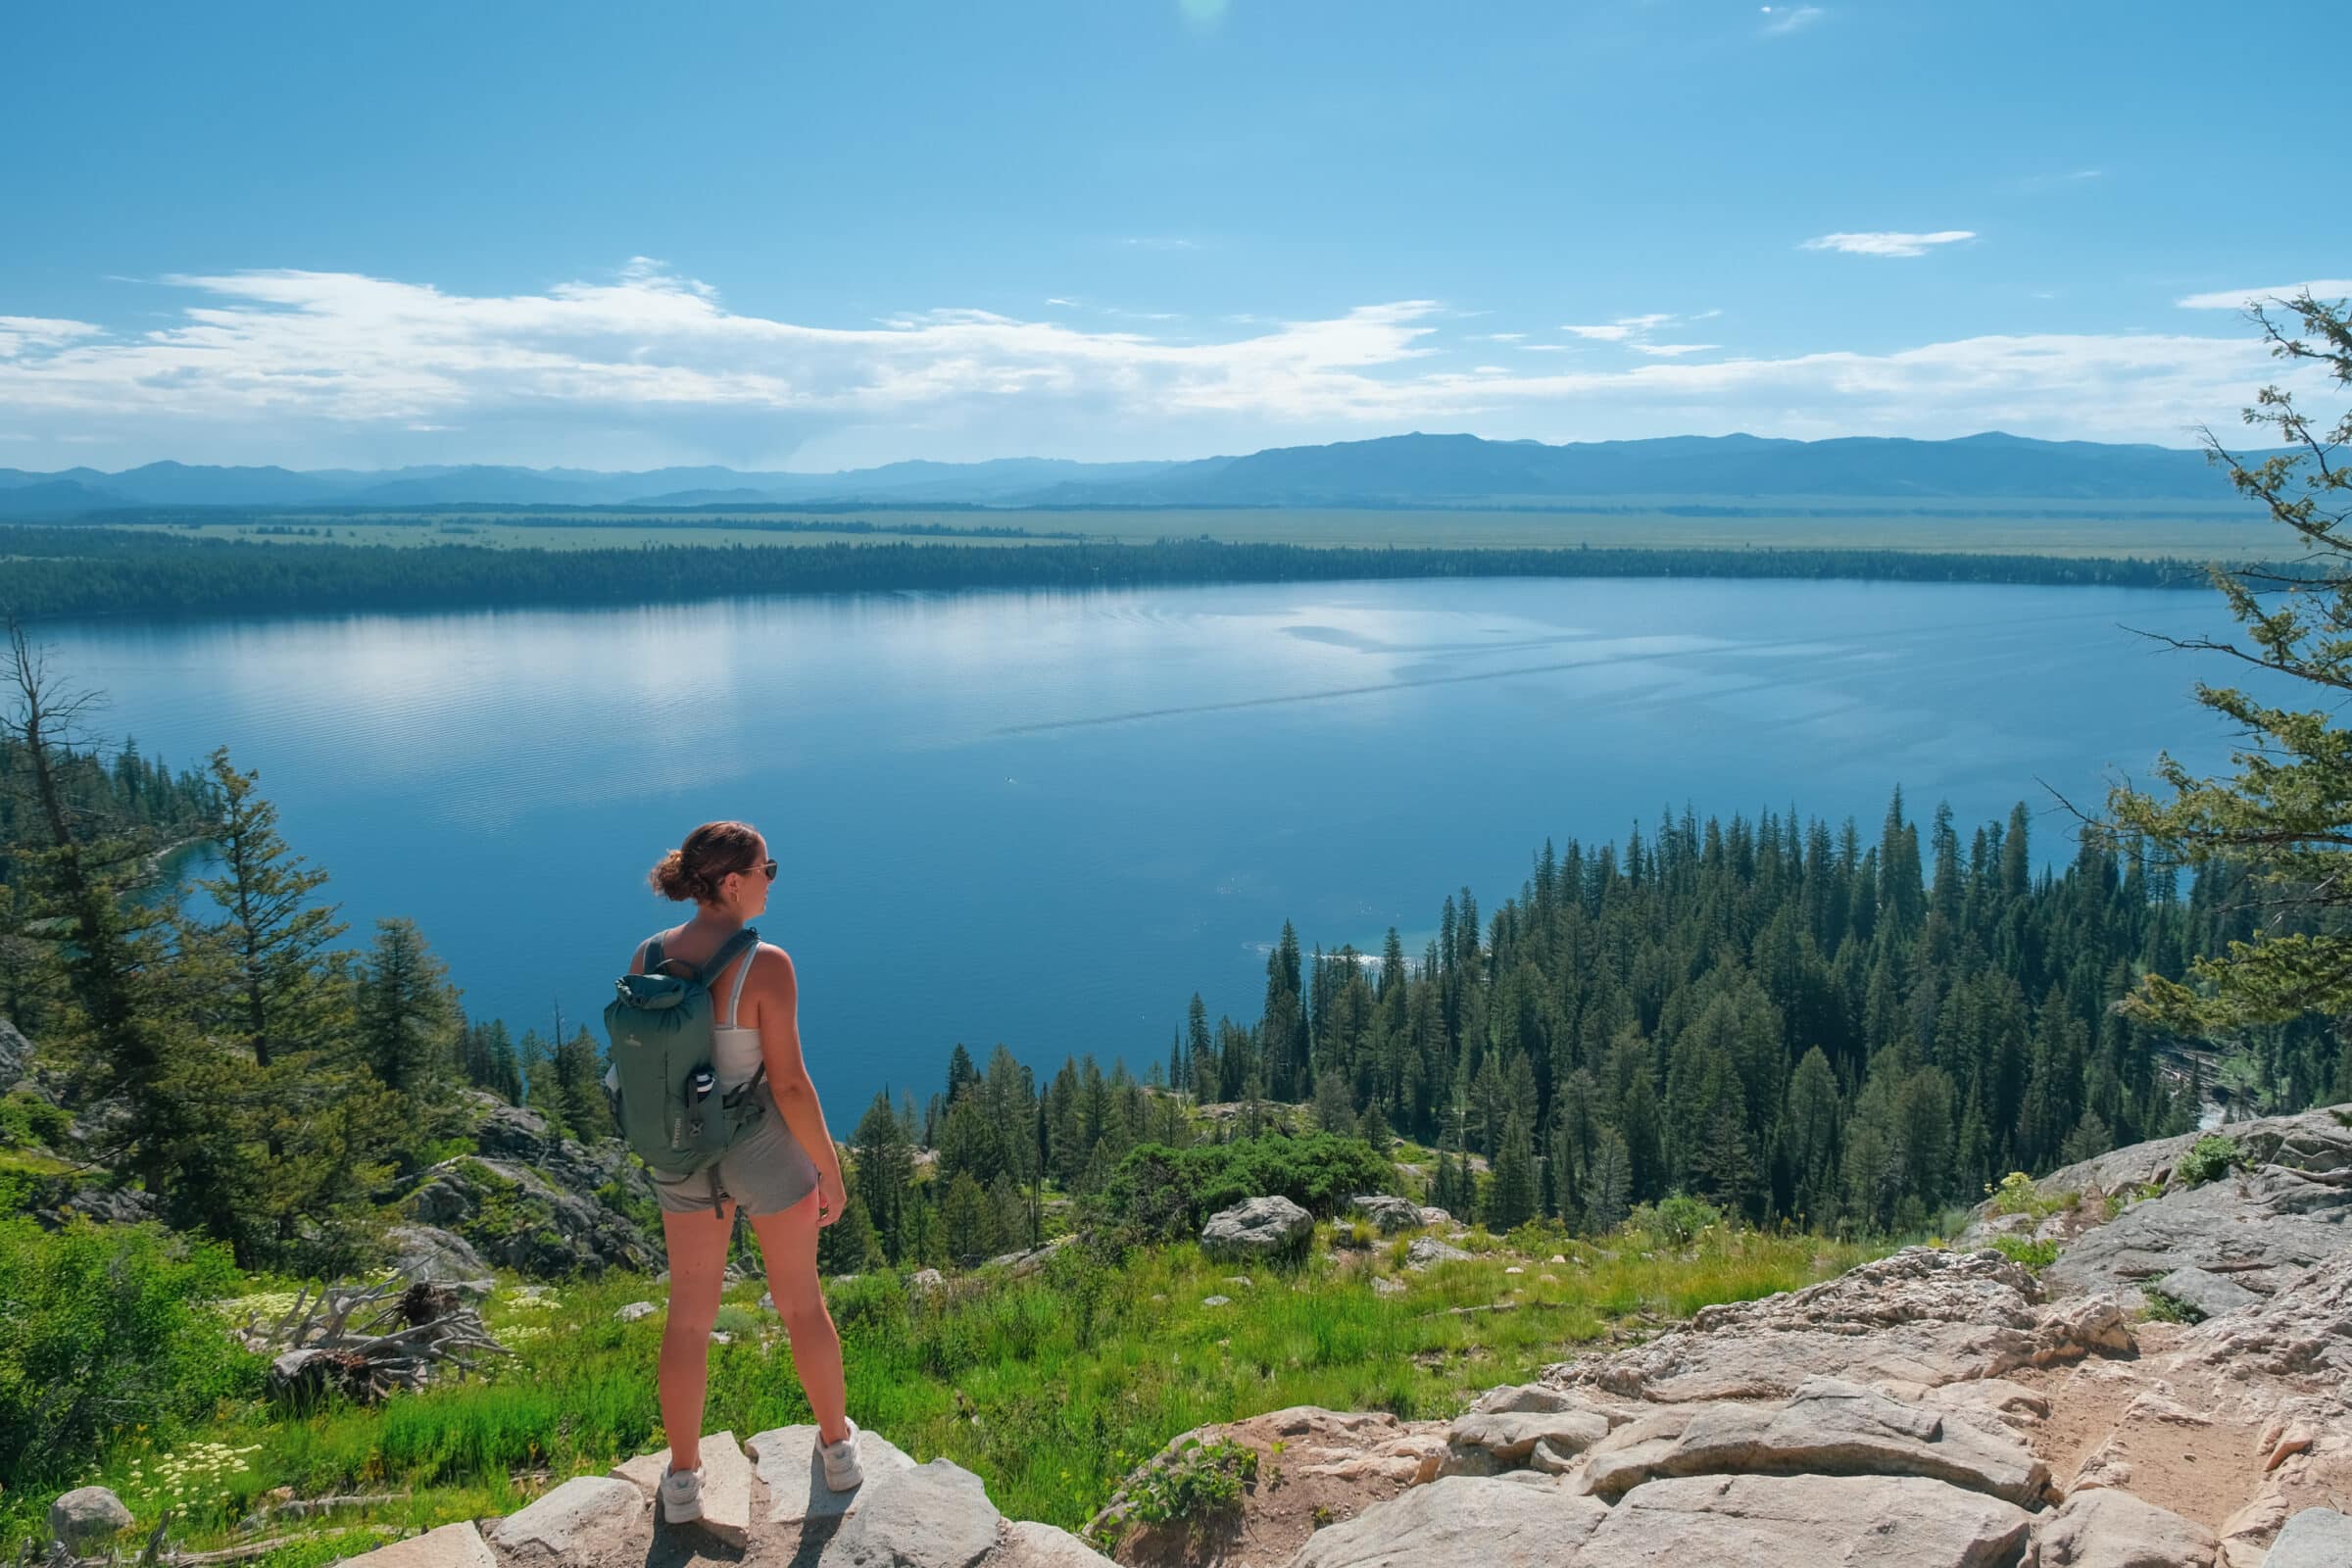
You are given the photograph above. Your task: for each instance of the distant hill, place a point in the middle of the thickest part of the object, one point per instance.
(1412, 470)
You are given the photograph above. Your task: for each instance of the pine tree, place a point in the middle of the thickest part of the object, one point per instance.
(1511, 1195)
(882, 1165)
(967, 1223)
(1608, 1186)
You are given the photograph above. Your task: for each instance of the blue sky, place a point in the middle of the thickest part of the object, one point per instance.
(799, 236)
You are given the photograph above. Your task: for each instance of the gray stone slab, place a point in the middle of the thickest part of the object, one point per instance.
(2316, 1537)
(459, 1545)
(1036, 1545)
(794, 1477)
(726, 1485)
(2210, 1294)
(583, 1512)
(935, 1515)
(1513, 1521)
(1794, 1521)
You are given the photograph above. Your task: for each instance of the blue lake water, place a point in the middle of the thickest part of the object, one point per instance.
(1046, 818)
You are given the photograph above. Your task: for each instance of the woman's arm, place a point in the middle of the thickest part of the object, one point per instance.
(775, 993)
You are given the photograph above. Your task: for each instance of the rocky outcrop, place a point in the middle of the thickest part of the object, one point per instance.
(16, 1056)
(518, 1219)
(1922, 1317)
(1261, 1229)
(2109, 1529)
(1385, 1214)
(905, 1515)
(436, 1256)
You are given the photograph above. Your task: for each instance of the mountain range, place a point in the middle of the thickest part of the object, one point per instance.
(1404, 470)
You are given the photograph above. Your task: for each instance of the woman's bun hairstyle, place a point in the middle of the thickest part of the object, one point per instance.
(711, 854)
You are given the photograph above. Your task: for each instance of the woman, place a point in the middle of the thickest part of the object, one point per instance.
(784, 1173)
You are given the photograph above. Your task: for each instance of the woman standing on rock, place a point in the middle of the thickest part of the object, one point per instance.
(784, 1173)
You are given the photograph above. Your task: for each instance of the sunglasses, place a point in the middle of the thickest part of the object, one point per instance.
(765, 867)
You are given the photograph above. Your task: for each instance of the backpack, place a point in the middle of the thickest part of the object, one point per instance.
(664, 1095)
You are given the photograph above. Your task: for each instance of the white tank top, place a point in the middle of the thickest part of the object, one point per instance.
(735, 1051)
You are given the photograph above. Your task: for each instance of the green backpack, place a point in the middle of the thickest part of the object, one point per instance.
(664, 1093)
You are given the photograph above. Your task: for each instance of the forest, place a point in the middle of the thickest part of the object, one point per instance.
(54, 573)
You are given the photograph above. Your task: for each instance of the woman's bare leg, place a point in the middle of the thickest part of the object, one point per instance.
(697, 1272)
(788, 1241)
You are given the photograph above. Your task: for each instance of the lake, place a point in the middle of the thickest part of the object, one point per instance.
(1047, 818)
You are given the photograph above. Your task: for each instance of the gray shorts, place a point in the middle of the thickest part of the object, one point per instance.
(764, 1173)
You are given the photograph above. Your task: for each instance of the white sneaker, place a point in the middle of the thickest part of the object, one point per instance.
(681, 1495)
(842, 1473)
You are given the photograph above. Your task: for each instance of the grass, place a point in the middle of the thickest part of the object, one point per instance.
(1049, 1387)
(2068, 530)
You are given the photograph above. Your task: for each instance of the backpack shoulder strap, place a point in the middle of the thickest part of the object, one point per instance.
(716, 965)
(649, 961)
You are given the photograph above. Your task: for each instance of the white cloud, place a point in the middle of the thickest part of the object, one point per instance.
(1780, 19)
(1669, 351)
(1887, 243)
(20, 332)
(2225, 299)
(313, 368)
(1617, 332)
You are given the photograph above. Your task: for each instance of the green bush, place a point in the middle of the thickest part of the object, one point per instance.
(2164, 1308)
(2036, 1256)
(29, 1121)
(1199, 1480)
(105, 1330)
(1164, 1194)
(1675, 1220)
(2211, 1156)
(2017, 1195)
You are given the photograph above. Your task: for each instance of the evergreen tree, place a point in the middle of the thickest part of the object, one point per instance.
(1511, 1195)
(882, 1172)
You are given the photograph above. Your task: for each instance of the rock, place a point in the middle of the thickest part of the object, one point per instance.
(2316, 1537)
(924, 1281)
(1216, 1300)
(721, 1337)
(1024, 1264)
(87, 1518)
(1515, 1398)
(1387, 1285)
(1516, 1521)
(1920, 1317)
(16, 1056)
(2305, 1330)
(1028, 1545)
(1266, 1228)
(794, 1477)
(437, 1256)
(1828, 1428)
(726, 1485)
(2257, 1227)
(103, 1205)
(2108, 1529)
(935, 1515)
(1435, 1216)
(459, 1545)
(1428, 1249)
(1388, 1215)
(635, 1310)
(519, 1217)
(581, 1514)
(2205, 1294)
(1794, 1521)
(1510, 1438)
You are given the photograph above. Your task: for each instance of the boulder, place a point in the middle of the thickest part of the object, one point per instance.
(2304, 1331)
(1387, 1215)
(2257, 1227)
(437, 1256)
(1433, 1215)
(581, 1514)
(1484, 1442)
(794, 1477)
(459, 1545)
(1428, 1249)
(935, 1515)
(2205, 1294)
(1796, 1521)
(1922, 1316)
(1262, 1228)
(87, 1518)
(2107, 1529)
(1514, 1521)
(926, 1281)
(2316, 1537)
(635, 1310)
(1028, 1545)
(1830, 1428)
(726, 1485)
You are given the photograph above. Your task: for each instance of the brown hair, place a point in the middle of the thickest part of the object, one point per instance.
(711, 853)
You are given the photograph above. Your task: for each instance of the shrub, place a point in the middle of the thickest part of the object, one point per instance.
(1164, 1194)
(27, 1120)
(2211, 1156)
(2164, 1308)
(2017, 1195)
(1199, 1480)
(103, 1327)
(1675, 1219)
(2036, 1256)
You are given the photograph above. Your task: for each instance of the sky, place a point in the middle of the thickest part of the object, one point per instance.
(785, 235)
